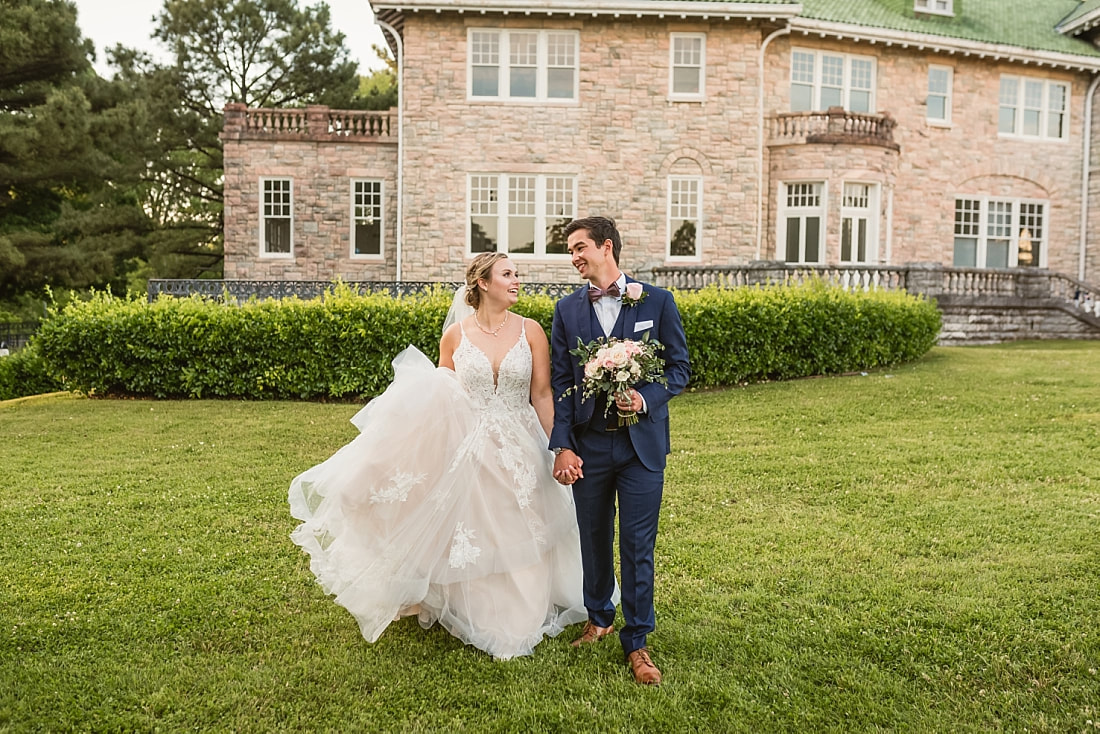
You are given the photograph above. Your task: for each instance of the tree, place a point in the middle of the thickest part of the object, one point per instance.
(262, 53)
(56, 118)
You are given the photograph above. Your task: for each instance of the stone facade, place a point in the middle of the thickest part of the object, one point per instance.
(624, 137)
(321, 162)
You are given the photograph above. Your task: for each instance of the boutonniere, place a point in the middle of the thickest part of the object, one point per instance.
(634, 294)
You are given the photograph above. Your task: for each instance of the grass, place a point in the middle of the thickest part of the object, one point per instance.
(909, 550)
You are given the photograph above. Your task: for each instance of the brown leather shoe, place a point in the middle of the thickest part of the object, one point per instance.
(645, 672)
(592, 633)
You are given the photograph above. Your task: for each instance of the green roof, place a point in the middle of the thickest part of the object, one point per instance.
(1029, 24)
(1085, 8)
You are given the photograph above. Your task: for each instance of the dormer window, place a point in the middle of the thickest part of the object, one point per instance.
(939, 7)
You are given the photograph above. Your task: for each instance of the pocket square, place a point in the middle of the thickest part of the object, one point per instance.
(643, 325)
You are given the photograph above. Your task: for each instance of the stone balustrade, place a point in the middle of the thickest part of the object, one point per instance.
(978, 305)
(836, 125)
(313, 122)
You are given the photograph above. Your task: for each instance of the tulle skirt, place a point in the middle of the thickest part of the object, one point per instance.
(447, 510)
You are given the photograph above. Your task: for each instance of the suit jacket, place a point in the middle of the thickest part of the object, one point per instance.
(656, 315)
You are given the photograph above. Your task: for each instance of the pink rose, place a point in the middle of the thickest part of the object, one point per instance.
(634, 291)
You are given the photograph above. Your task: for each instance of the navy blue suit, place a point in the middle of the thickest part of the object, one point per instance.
(626, 465)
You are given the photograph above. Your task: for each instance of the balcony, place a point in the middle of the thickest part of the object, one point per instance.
(836, 126)
(314, 122)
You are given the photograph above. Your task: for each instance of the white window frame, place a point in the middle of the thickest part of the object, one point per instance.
(817, 82)
(264, 216)
(946, 95)
(1021, 105)
(784, 212)
(676, 62)
(679, 211)
(548, 205)
(869, 213)
(543, 64)
(984, 229)
(935, 7)
(380, 213)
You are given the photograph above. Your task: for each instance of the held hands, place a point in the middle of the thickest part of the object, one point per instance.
(567, 467)
(630, 403)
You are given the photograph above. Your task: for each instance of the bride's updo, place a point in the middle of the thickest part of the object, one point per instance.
(480, 269)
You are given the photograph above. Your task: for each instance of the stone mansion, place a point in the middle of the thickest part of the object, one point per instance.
(716, 132)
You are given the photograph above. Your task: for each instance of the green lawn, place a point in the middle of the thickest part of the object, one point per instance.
(911, 550)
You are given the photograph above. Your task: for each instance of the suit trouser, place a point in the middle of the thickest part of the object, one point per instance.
(612, 471)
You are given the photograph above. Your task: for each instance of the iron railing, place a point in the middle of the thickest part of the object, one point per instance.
(15, 335)
(242, 290)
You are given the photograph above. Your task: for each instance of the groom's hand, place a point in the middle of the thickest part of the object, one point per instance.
(567, 467)
(635, 403)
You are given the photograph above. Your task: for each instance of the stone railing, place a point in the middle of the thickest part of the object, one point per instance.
(315, 122)
(849, 277)
(242, 290)
(978, 305)
(836, 125)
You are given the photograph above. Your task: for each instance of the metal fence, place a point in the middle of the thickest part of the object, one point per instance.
(242, 290)
(15, 336)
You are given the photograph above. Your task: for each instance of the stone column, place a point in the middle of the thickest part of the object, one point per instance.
(924, 279)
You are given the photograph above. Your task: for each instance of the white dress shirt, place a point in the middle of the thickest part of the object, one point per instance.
(608, 308)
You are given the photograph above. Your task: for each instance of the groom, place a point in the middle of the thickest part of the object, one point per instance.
(602, 461)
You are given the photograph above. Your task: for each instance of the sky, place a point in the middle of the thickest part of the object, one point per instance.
(130, 22)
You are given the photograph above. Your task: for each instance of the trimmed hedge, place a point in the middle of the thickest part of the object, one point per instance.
(25, 373)
(753, 334)
(341, 346)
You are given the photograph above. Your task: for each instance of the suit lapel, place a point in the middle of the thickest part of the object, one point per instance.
(630, 315)
(582, 316)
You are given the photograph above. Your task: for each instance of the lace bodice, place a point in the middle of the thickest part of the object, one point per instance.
(512, 387)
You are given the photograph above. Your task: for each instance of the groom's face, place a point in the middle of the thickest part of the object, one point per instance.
(595, 264)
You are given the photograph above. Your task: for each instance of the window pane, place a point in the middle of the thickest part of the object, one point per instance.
(966, 252)
(522, 82)
(860, 102)
(846, 239)
(483, 234)
(831, 98)
(559, 83)
(556, 241)
(813, 237)
(521, 234)
(802, 67)
(996, 254)
(832, 70)
(683, 240)
(368, 237)
(1056, 125)
(937, 108)
(1006, 121)
(685, 80)
(802, 97)
(1031, 122)
(794, 233)
(938, 81)
(485, 81)
(277, 236)
(861, 254)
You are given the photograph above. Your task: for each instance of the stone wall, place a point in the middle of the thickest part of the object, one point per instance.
(975, 323)
(938, 162)
(321, 163)
(621, 140)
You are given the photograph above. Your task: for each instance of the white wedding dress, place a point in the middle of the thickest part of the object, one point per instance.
(445, 506)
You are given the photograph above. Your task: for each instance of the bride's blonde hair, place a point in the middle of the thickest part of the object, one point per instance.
(480, 269)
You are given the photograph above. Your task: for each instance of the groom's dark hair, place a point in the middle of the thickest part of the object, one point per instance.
(600, 229)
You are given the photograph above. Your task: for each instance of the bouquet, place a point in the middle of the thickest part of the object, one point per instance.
(614, 366)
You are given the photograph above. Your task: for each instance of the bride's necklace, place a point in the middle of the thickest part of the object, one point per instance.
(495, 331)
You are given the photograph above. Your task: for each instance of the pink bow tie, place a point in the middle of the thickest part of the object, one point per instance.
(595, 294)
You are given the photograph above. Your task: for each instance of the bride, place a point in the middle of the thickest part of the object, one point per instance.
(444, 505)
